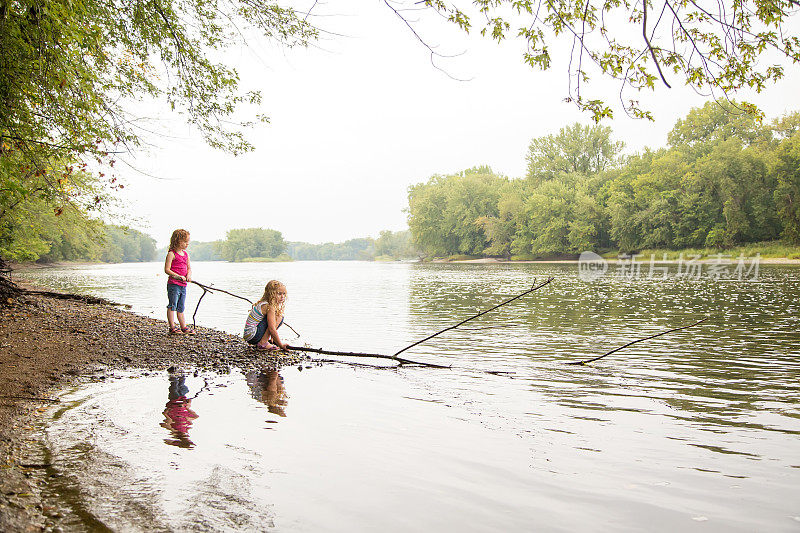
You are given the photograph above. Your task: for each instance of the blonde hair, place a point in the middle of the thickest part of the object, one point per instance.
(178, 236)
(271, 296)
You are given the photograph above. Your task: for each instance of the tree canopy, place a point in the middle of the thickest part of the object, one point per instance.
(723, 180)
(715, 47)
(576, 148)
(70, 69)
(252, 243)
(444, 212)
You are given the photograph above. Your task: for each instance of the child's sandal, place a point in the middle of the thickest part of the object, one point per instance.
(269, 347)
(188, 331)
(175, 331)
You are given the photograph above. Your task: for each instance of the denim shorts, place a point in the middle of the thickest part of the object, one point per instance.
(260, 330)
(177, 297)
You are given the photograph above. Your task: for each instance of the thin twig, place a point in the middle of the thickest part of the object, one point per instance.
(194, 315)
(290, 327)
(535, 287)
(433, 52)
(634, 342)
(650, 46)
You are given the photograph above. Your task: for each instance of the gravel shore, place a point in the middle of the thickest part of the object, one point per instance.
(47, 342)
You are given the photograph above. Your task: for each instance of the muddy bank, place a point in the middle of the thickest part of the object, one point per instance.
(47, 342)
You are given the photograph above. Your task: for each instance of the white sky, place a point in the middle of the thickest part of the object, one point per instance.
(358, 119)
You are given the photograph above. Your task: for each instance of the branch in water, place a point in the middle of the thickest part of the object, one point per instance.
(361, 354)
(535, 287)
(634, 342)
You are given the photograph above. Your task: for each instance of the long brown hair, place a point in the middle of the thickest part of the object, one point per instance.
(178, 236)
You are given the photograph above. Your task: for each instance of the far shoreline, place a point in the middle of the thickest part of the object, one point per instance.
(491, 260)
(642, 259)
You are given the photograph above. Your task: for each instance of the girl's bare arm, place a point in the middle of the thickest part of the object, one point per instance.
(272, 328)
(168, 267)
(189, 267)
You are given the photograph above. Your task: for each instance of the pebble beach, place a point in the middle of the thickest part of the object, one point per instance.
(47, 343)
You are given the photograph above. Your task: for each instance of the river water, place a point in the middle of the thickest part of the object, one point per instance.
(691, 431)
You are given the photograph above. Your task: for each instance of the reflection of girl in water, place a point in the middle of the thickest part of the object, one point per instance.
(178, 414)
(266, 386)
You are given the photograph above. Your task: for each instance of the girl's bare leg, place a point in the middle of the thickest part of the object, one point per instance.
(171, 318)
(264, 340)
(181, 320)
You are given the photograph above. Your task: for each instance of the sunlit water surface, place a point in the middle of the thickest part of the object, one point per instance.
(692, 431)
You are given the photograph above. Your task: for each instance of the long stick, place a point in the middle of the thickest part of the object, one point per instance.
(361, 354)
(212, 289)
(535, 287)
(634, 342)
(207, 288)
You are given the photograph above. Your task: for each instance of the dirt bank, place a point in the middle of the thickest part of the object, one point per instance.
(46, 342)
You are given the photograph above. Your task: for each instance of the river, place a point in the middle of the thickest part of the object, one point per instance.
(696, 430)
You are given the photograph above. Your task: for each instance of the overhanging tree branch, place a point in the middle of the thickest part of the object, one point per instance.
(650, 46)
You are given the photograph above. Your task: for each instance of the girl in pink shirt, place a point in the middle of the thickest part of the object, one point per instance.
(179, 270)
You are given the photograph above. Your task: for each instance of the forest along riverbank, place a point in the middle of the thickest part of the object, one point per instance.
(47, 342)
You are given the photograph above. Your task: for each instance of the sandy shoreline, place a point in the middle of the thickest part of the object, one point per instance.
(48, 343)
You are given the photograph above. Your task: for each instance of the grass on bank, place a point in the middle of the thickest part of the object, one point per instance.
(767, 250)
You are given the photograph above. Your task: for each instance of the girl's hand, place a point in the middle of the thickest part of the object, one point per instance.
(188, 279)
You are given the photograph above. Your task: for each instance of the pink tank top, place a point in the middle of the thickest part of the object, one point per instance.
(180, 265)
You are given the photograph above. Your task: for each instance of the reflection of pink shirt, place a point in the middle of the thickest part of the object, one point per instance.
(180, 415)
(180, 265)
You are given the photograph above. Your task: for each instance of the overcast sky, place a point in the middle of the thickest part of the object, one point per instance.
(359, 118)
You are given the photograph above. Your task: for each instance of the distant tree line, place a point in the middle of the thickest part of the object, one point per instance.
(202, 251)
(390, 245)
(353, 249)
(255, 244)
(724, 179)
(73, 237)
